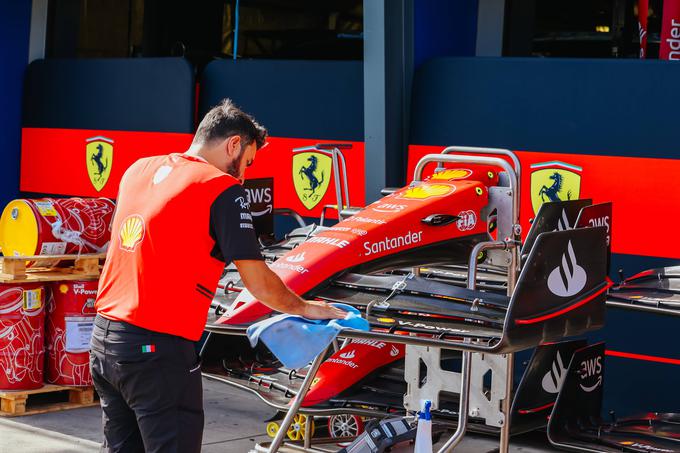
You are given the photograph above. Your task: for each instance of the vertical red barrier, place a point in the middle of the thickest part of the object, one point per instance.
(670, 31)
(643, 12)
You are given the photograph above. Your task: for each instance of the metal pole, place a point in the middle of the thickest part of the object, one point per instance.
(513, 269)
(38, 33)
(343, 163)
(491, 151)
(514, 181)
(483, 160)
(463, 405)
(297, 402)
(471, 284)
(472, 263)
(630, 306)
(384, 336)
(506, 406)
(237, 9)
(338, 189)
(308, 434)
(466, 365)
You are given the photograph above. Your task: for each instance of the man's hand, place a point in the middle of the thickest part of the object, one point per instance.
(321, 310)
(268, 288)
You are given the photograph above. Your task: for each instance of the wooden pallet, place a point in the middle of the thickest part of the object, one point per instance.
(49, 398)
(43, 269)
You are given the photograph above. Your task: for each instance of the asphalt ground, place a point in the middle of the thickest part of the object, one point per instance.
(234, 423)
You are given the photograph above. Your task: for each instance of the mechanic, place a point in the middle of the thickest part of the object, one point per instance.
(179, 219)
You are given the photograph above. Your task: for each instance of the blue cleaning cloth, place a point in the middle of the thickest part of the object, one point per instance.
(296, 341)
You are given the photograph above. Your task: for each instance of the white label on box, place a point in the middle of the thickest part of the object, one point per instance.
(78, 333)
(32, 299)
(53, 248)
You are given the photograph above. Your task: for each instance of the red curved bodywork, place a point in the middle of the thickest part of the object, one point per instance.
(348, 366)
(391, 225)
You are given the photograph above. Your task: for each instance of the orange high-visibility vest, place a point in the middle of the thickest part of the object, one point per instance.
(159, 273)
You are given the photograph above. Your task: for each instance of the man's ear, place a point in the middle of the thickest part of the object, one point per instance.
(233, 145)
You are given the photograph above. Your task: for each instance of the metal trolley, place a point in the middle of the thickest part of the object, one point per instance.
(533, 315)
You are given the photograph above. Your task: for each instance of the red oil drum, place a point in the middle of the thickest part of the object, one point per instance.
(70, 318)
(22, 332)
(52, 226)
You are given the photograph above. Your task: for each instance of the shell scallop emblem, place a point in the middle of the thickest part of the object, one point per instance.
(131, 232)
(452, 173)
(425, 190)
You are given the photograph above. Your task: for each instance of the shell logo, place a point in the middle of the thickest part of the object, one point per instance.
(452, 173)
(63, 288)
(131, 232)
(424, 191)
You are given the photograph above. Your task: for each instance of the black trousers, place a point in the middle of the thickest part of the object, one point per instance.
(150, 389)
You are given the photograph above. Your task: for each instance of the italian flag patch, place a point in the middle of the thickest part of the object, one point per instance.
(149, 348)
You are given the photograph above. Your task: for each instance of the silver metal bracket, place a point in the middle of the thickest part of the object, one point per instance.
(485, 397)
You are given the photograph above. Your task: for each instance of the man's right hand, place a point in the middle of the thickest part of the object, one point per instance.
(321, 310)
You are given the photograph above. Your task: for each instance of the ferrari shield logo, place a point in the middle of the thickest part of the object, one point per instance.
(99, 155)
(311, 176)
(554, 181)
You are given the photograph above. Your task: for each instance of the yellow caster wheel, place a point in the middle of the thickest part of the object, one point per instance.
(301, 427)
(272, 429)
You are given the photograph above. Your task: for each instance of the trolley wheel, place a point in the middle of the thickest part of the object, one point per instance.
(272, 429)
(301, 427)
(345, 425)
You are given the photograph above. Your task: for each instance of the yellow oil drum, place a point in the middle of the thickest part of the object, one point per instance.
(51, 226)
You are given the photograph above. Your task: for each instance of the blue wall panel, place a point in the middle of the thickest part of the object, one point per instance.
(127, 94)
(617, 107)
(15, 19)
(291, 98)
(637, 385)
(444, 28)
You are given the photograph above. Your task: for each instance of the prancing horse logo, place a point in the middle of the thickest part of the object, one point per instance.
(554, 181)
(311, 177)
(308, 172)
(99, 154)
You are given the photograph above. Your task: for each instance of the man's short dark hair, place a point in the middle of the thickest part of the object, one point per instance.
(225, 120)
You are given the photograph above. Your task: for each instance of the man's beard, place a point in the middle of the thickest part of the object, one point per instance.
(234, 166)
